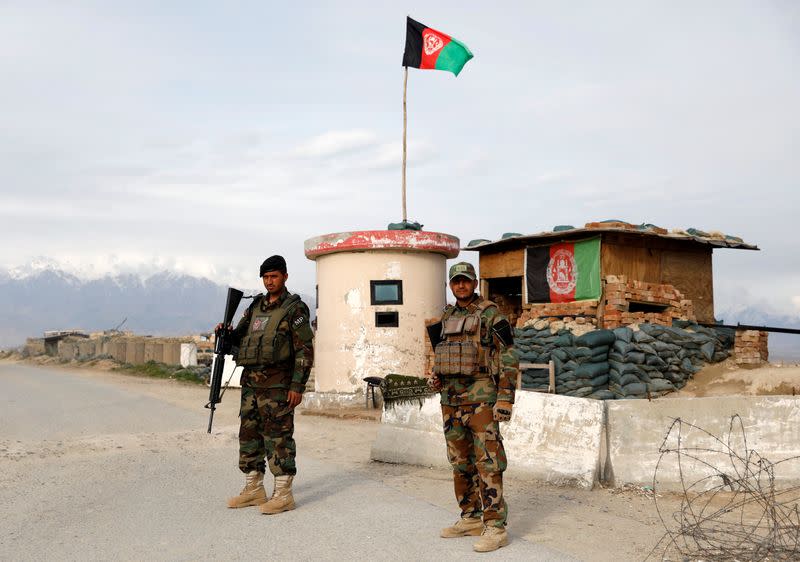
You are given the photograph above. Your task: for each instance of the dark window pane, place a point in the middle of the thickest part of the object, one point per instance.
(386, 292)
(386, 320)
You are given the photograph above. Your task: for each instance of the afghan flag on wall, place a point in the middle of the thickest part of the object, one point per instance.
(564, 272)
(429, 49)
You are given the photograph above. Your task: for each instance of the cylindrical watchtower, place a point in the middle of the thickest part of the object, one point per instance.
(375, 289)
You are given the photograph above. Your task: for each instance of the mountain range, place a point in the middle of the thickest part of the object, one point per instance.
(36, 299)
(42, 296)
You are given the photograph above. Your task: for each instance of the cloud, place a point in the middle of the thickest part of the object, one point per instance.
(334, 143)
(796, 302)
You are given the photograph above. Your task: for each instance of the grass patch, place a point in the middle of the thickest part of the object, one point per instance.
(162, 371)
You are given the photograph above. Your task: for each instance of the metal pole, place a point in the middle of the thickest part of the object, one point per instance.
(405, 119)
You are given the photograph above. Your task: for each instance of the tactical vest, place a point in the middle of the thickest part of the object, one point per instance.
(461, 352)
(264, 345)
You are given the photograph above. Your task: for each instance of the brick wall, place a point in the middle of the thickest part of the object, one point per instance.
(750, 348)
(619, 293)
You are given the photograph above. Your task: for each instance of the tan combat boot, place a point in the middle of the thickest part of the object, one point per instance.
(472, 526)
(491, 539)
(282, 499)
(253, 492)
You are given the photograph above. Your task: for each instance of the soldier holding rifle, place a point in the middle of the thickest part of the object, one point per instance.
(276, 349)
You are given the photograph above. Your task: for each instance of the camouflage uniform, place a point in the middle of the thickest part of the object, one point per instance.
(474, 444)
(267, 422)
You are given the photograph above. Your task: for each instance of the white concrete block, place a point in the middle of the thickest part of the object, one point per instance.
(552, 438)
(637, 428)
(188, 354)
(230, 372)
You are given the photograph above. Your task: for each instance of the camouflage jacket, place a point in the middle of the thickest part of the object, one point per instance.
(457, 390)
(293, 374)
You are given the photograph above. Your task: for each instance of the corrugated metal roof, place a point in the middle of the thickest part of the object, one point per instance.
(691, 235)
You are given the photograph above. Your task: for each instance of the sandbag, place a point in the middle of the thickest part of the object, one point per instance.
(720, 356)
(635, 357)
(660, 385)
(636, 388)
(661, 346)
(656, 361)
(623, 333)
(564, 340)
(622, 347)
(596, 338)
(582, 391)
(652, 329)
(642, 337)
(616, 357)
(578, 352)
(623, 368)
(707, 349)
(602, 395)
(647, 348)
(560, 354)
(628, 379)
(601, 351)
(599, 381)
(591, 370)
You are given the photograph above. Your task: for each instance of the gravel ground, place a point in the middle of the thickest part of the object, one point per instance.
(98, 465)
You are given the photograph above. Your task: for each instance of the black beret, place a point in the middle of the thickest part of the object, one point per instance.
(273, 263)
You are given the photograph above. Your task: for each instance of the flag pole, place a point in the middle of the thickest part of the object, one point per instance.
(405, 119)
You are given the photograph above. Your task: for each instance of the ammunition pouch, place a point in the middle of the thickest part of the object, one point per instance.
(458, 358)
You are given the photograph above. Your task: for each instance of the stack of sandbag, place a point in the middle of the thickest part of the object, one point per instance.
(582, 368)
(655, 359)
(581, 363)
(534, 345)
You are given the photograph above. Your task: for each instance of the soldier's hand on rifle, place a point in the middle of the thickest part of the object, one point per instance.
(502, 410)
(435, 383)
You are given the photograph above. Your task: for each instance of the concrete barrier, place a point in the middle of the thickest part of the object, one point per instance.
(578, 441)
(553, 438)
(637, 428)
(188, 355)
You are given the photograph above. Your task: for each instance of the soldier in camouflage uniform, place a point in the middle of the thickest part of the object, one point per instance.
(475, 370)
(276, 349)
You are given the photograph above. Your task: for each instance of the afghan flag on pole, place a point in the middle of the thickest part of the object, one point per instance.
(429, 49)
(564, 272)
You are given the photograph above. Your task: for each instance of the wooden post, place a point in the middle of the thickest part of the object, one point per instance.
(552, 369)
(405, 120)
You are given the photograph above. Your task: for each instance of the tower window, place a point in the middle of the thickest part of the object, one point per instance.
(386, 319)
(386, 292)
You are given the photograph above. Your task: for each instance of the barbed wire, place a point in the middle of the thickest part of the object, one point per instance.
(731, 510)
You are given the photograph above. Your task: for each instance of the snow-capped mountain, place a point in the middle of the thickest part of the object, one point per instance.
(40, 296)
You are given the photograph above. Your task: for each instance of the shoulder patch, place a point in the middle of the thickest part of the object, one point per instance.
(299, 321)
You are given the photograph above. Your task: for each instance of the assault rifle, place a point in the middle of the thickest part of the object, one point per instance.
(222, 347)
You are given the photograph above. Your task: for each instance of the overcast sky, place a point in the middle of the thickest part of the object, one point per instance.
(205, 136)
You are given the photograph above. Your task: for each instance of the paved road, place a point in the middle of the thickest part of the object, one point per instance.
(91, 470)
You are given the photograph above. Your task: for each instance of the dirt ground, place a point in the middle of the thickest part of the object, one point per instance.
(600, 524)
(726, 379)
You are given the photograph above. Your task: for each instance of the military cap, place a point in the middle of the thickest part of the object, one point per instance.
(463, 269)
(273, 263)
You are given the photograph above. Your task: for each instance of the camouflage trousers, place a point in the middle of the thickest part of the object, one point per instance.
(475, 450)
(265, 431)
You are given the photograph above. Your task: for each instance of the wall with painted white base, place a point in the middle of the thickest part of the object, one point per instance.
(578, 441)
